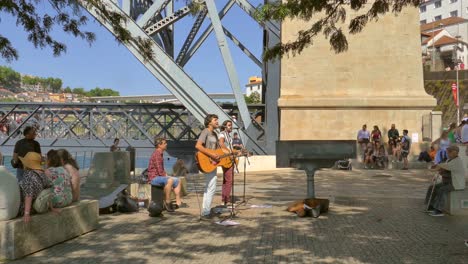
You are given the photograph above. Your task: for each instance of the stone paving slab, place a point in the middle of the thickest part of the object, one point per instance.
(375, 217)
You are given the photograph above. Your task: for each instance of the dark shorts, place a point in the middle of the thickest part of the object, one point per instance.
(404, 153)
(363, 140)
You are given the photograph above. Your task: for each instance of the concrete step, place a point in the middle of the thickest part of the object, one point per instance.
(395, 165)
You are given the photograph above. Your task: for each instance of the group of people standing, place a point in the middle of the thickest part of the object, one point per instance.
(373, 147)
(60, 174)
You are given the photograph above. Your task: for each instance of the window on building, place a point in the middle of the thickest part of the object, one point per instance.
(422, 22)
(453, 1)
(436, 18)
(438, 4)
(454, 13)
(422, 9)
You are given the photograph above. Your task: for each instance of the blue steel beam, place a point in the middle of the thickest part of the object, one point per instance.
(228, 63)
(243, 48)
(191, 35)
(167, 21)
(153, 11)
(126, 6)
(204, 35)
(171, 75)
(250, 10)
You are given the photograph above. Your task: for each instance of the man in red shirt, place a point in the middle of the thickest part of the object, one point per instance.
(158, 176)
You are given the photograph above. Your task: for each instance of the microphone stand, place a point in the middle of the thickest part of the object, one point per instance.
(246, 160)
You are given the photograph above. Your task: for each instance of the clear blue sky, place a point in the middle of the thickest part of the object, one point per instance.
(107, 64)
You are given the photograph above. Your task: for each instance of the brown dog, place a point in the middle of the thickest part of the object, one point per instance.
(309, 207)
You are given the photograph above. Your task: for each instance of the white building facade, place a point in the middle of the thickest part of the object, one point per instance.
(434, 10)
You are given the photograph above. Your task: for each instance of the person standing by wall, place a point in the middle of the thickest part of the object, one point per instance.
(22, 147)
(363, 137)
(405, 148)
(115, 146)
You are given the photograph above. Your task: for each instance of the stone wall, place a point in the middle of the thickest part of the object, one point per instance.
(378, 81)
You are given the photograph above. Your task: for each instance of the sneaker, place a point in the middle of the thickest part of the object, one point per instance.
(206, 217)
(466, 243)
(437, 213)
(209, 217)
(168, 207)
(182, 205)
(430, 211)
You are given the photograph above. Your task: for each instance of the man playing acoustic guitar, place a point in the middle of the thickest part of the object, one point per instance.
(207, 141)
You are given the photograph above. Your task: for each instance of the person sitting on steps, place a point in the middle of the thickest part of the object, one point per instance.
(158, 176)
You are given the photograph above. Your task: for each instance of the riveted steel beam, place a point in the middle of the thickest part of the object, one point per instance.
(173, 77)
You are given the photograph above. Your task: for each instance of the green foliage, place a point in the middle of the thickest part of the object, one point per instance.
(328, 19)
(442, 91)
(9, 78)
(8, 100)
(67, 90)
(38, 26)
(67, 16)
(253, 98)
(49, 84)
(80, 91)
(102, 92)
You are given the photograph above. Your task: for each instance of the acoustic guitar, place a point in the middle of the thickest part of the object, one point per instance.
(206, 164)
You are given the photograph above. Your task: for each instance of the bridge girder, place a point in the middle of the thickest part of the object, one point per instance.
(142, 22)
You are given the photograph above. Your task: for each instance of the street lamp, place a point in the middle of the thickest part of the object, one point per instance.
(433, 43)
(457, 61)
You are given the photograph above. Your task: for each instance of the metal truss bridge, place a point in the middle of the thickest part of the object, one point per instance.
(92, 125)
(153, 21)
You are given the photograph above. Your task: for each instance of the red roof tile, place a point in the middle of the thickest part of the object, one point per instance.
(446, 22)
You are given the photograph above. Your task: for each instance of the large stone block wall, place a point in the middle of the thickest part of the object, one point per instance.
(18, 239)
(378, 81)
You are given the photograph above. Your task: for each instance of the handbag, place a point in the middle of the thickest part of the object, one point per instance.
(42, 203)
(14, 163)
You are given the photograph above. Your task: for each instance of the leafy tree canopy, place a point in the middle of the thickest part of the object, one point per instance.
(9, 78)
(102, 92)
(68, 16)
(253, 98)
(329, 19)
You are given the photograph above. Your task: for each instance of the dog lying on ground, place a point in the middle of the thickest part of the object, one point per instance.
(309, 207)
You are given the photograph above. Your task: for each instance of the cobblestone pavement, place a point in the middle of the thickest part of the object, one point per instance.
(375, 217)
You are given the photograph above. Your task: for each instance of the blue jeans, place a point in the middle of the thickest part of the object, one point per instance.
(162, 180)
(210, 188)
(19, 174)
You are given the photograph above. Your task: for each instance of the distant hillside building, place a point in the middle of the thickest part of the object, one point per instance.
(435, 10)
(254, 85)
(445, 41)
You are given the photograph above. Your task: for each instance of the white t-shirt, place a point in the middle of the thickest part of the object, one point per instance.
(464, 134)
(227, 139)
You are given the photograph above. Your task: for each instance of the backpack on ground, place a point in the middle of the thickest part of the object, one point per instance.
(343, 165)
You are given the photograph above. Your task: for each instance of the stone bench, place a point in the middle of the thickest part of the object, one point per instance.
(18, 239)
(457, 202)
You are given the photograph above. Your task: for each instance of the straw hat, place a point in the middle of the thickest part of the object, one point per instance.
(32, 160)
